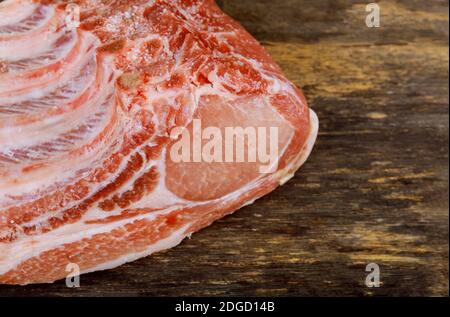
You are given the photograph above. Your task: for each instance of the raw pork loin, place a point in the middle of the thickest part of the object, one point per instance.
(86, 115)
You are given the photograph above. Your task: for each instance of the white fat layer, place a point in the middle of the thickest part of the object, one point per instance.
(20, 49)
(44, 52)
(18, 183)
(50, 128)
(173, 240)
(14, 83)
(285, 175)
(161, 197)
(46, 26)
(64, 171)
(11, 14)
(41, 92)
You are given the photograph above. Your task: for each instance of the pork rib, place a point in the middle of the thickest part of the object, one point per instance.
(86, 114)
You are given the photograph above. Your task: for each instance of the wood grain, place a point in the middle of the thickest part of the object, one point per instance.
(374, 190)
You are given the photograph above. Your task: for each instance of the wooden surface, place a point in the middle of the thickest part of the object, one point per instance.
(374, 190)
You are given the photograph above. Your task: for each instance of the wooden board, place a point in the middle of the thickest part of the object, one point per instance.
(374, 190)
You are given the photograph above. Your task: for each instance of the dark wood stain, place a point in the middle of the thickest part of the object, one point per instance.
(374, 190)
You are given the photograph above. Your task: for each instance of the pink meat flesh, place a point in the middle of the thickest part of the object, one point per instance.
(86, 113)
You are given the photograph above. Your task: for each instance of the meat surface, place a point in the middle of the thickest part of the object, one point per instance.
(87, 114)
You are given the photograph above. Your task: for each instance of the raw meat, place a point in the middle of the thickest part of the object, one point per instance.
(86, 116)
